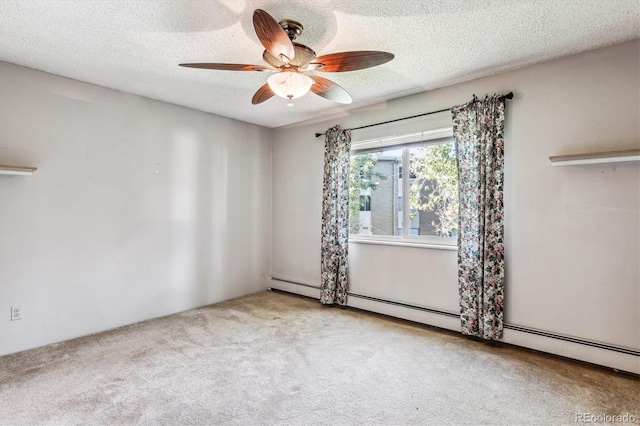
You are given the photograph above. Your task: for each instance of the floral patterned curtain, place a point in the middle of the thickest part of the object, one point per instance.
(478, 128)
(335, 216)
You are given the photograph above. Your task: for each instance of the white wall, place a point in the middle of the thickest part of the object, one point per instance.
(572, 233)
(138, 208)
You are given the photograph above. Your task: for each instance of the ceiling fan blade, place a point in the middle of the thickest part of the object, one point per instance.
(350, 61)
(329, 90)
(264, 93)
(272, 36)
(227, 67)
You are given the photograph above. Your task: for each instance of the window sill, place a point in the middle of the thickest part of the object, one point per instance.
(404, 242)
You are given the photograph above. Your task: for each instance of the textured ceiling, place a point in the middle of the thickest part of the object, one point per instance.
(135, 46)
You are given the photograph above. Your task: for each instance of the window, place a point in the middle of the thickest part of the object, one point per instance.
(412, 176)
(423, 207)
(433, 189)
(365, 203)
(373, 181)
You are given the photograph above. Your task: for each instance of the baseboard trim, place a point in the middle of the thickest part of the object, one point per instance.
(295, 287)
(617, 357)
(296, 283)
(591, 343)
(405, 305)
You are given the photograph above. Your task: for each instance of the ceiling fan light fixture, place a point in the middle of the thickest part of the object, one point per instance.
(290, 84)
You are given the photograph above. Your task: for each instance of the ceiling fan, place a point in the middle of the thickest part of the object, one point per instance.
(289, 61)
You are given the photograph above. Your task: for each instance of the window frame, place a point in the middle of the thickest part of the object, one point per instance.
(405, 142)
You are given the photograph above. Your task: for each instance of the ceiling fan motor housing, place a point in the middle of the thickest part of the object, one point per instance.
(292, 28)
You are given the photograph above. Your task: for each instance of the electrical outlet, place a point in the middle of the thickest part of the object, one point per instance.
(16, 313)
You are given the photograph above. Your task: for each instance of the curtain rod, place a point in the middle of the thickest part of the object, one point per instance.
(503, 97)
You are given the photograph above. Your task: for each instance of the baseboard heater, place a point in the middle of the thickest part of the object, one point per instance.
(506, 326)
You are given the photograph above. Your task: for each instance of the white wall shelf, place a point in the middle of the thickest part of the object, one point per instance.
(596, 158)
(17, 170)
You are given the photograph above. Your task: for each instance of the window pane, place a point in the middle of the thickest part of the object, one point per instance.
(433, 197)
(365, 203)
(374, 189)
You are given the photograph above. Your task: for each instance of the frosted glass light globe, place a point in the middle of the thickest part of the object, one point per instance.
(290, 84)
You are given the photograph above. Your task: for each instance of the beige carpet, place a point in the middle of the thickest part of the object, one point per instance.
(277, 359)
